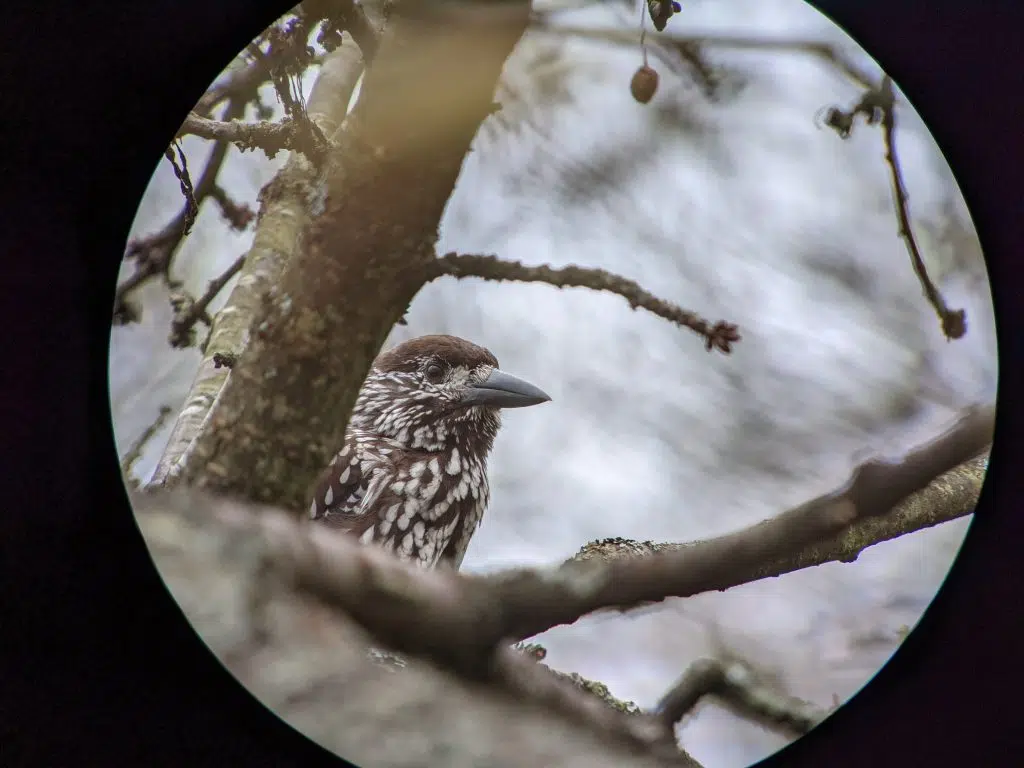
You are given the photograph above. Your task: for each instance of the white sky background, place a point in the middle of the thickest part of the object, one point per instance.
(740, 209)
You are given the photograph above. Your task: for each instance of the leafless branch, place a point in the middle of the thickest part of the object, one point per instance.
(227, 565)
(535, 601)
(286, 57)
(135, 450)
(153, 255)
(265, 135)
(238, 215)
(240, 84)
(188, 313)
(283, 209)
(954, 322)
(949, 497)
(878, 105)
(719, 336)
(740, 690)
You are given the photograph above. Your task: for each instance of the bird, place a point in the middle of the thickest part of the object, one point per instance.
(411, 476)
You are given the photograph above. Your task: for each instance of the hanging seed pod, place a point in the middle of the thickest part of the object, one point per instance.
(644, 84)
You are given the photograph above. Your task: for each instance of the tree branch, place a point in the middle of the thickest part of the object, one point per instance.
(135, 450)
(240, 84)
(719, 336)
(535, 601)
(187, 314)
(248, 580)
(284, 212)
(265, 135)
(954, 323)
(185, 182)
(740, 690)
(461, 622)
(154, 254)
(390, 173)
(878, 105)
(238, 215)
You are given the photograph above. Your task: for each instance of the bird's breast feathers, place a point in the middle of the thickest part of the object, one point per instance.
(423, 506)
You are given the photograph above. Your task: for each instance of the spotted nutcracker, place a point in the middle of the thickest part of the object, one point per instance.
(412, 474)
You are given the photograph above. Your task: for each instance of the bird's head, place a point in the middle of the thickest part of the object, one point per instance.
(433, 392)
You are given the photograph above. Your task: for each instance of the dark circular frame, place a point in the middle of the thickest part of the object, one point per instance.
(92, 96)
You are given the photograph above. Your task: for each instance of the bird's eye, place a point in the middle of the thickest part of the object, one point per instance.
(434, 373)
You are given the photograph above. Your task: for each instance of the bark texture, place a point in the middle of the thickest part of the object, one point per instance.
(374, 212)
(283, 216)
(308, 663)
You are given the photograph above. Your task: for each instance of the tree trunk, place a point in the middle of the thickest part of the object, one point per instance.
(366, 250)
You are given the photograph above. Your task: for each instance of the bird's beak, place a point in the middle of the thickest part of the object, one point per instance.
(502, 390)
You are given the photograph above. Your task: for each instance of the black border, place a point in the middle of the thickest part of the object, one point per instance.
(92, 94)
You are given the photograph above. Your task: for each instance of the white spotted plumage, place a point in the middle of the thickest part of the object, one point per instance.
(411, 476)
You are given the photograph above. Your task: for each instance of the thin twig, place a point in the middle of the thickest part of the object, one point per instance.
(287, 57)
(720, 335)
(154, 254)
(740, 690)
(878, 106)
(188, 314)
(533, 602)
(240, 84)
(134, 452)
(954, 322)
(238, 215)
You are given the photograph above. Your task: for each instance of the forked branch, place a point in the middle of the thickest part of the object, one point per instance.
(461, 621)
(738, 689)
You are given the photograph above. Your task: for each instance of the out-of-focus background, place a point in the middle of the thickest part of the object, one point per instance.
(722, 195)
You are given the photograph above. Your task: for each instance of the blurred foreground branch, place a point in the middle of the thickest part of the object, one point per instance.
(268, 136)
(463, 623)
(738, 688)
(246, 584)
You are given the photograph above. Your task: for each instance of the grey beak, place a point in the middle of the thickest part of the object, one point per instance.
(502, 390)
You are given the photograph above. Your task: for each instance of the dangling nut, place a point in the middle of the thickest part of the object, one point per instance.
(644, 84)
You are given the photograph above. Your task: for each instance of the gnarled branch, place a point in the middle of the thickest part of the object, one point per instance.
(721, 335)
(218, 563)
(267, 136)
(738, 688)
(462, 621)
